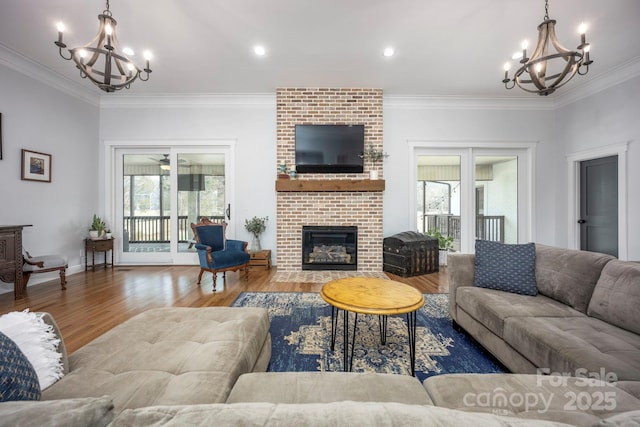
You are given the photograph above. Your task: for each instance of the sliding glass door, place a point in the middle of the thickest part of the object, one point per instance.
(438, 196)
(473, 193)
(160, 193)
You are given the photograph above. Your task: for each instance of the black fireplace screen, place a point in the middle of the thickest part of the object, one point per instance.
(329, 248)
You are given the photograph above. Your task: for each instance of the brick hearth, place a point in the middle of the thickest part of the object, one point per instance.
(361, 209)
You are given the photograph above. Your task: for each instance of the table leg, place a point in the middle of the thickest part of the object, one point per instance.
(382, 323)
(411, 326)
(353, 341)
(334, 327)
(345, 338)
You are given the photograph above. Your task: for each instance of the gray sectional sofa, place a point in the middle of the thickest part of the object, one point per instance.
(585, 319)
(206, 366)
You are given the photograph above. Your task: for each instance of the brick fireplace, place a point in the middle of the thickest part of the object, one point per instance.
(361, 208)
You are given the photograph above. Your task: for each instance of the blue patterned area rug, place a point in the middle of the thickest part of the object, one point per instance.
(301, 335)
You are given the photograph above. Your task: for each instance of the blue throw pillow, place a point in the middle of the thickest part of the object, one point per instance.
(509, 268)
(18, 379)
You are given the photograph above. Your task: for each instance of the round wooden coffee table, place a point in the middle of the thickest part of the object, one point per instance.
(366, 295)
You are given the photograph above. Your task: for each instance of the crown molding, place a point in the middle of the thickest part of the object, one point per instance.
(28, 67)
(588, 87)
(225, 100)
(465, 103)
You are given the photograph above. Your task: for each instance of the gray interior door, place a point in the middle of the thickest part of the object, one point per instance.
(599, 205)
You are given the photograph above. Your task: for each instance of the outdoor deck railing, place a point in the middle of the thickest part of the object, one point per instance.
(488, 227)
(157, 229)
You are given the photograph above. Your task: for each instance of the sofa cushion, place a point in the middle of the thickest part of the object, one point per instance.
(531, 396)
(18, 379)
(505, 267)
(574, 344)
(324, 387)
(312, 415)
(568, 276)
(168, 356)
(491, 307)
(616, 297)
(83, 412)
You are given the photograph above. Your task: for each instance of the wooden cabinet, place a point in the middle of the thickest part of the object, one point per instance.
(261, 259)
(98, 245)
(11, 257)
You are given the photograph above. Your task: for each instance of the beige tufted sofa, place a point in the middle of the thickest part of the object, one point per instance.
(169, 356)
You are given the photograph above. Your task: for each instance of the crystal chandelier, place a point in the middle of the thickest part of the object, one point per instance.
(101, 61)
(546, 71)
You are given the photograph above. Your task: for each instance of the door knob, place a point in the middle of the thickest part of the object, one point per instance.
(581, 221)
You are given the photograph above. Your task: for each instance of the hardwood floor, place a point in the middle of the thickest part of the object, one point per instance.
(95, 302)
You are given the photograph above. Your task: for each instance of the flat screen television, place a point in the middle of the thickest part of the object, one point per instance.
(329, 148)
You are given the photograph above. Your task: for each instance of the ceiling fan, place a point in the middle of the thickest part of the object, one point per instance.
(165, 163)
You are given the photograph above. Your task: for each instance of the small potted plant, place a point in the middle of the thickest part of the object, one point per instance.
(256, 227)
(97, 227)
(374, 156)
(445, 244)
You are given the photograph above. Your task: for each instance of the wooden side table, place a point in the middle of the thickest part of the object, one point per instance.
(261, 259)
(98, 245)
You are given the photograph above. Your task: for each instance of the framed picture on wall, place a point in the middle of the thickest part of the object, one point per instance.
(36, 166)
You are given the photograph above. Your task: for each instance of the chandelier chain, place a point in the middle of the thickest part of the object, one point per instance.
(546, 9)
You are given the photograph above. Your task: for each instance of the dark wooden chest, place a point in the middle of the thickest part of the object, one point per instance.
(410, 254)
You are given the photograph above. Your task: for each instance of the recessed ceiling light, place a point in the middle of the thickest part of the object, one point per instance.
(389, 52)
(259, 50)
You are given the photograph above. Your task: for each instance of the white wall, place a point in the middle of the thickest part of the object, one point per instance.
(37, 117)
(605, 118)
(249, 120)
(446, 122)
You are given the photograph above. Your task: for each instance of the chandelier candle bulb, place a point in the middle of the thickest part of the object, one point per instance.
(147, 56)
(525, 45)
(507, 66)
(61, 28)
(582, 29)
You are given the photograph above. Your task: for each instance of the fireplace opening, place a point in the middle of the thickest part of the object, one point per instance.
(329, 248)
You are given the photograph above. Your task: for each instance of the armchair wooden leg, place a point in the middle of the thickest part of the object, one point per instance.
(215, 275)
(200, 276)
(246, 272)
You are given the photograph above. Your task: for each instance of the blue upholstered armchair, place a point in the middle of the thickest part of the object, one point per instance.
(216, 252)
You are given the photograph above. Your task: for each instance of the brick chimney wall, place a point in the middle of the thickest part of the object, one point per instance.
(362, 209)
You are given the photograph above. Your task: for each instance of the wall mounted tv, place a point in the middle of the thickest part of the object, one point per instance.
(329, 148)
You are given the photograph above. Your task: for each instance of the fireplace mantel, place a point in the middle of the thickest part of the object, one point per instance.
(319, 185)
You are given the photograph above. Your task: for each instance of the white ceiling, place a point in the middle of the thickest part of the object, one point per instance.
(444, 48)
